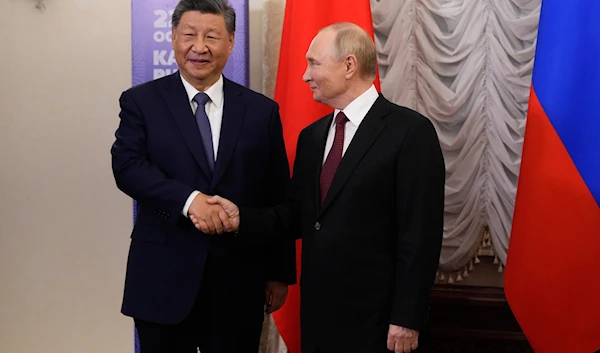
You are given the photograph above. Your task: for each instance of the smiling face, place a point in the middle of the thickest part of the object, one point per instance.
(202, 46)
(325, 73)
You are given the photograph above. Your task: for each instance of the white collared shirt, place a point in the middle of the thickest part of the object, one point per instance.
(214, 111)
(214, 107)
(355, 112)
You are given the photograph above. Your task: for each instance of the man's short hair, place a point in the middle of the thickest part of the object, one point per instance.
(215, 7)
(351, 39)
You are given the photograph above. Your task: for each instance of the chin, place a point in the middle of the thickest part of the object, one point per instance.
(197, 72)
(199, 75)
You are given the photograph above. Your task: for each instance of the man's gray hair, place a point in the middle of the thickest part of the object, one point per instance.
(352, 39)
(215, 7)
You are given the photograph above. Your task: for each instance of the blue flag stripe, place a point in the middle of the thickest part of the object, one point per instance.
(566, 78)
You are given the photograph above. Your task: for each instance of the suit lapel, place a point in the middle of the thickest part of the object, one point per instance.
(368, 131)
(234, 110)
(176, 99)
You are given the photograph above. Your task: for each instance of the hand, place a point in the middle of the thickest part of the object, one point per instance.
(230, 208)
(275, 294)
(210, 219)
(402, 339)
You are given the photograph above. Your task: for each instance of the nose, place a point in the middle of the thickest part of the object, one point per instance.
(306, 75)
(199, 45)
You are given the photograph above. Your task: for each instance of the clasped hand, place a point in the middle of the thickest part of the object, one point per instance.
(214, 214)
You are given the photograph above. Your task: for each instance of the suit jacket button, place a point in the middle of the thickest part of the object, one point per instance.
(317, 226)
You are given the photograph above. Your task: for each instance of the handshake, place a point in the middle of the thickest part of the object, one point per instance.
(214, 214)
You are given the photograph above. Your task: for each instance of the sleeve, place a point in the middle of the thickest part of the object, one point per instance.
(281, 250)
(188, 203)
(420, 206)
(135, 174)
(285, 219)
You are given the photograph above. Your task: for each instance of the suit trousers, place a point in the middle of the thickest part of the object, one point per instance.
(227, 316)
(318, 350)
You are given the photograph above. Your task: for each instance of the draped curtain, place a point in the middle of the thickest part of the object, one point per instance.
(466, 65)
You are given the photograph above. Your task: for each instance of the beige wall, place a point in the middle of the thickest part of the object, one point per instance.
(63, 224)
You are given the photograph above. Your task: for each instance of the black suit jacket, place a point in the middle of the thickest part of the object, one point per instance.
(158, 159)
(371, 250)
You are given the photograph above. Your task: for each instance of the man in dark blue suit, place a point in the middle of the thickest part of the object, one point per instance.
(180, 139)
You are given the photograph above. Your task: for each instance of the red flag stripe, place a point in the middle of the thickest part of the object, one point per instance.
(551, 274)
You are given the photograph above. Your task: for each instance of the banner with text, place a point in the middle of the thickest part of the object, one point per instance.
(152, 52)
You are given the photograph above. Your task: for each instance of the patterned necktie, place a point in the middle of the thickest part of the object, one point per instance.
(204, 126)
(335, 155)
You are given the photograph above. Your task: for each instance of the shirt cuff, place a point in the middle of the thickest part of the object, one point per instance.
(188, 203)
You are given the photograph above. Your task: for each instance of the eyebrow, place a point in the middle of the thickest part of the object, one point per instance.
(189, 25)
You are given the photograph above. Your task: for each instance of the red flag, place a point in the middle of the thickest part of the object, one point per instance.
(551, 279)
(303, 19)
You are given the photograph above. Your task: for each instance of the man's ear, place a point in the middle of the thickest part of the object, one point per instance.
(231, 42)
(351, 65)
(173, 34)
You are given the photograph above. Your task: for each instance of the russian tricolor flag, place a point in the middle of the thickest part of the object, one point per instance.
(552, 279)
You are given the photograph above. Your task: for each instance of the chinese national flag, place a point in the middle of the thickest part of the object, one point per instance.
(303, 19)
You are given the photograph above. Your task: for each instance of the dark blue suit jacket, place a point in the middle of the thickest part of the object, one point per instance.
(158, 159)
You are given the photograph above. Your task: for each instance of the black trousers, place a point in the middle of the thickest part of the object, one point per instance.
(227, 316)
(418, 350)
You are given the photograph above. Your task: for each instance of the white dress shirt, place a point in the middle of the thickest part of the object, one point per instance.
(214, 111)
(355, 112)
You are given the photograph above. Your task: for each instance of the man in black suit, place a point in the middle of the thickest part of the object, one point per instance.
(181, 138)
(367, 199)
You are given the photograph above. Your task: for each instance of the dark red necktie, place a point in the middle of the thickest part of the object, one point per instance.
(335, 155)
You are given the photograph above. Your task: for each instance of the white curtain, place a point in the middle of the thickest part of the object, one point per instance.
(466, 65)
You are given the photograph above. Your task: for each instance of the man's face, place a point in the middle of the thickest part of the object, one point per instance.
(324, 73)
(202, 46)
